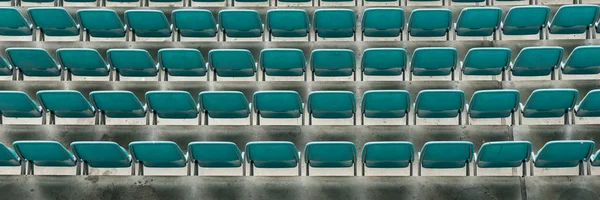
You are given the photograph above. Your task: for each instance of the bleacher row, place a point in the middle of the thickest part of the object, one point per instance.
(281, 154)
(484, 104)
(294, 23)
(277, 62)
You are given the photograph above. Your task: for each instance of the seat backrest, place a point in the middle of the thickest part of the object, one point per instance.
(101, 153)
(479, 17)
(564, 153)
(151, 20)
(282, 59)
(18, 104)
(330, 154)
(65, 103)
(80, 58)
(171, 104)
(30, 58)
(44, 153)
(383, 19)
(224, 104)
(384, 59)
(287, 20)
(446, 154)
(591, 101)
(539, 57)
(117, 103)
(158, 154)
(334, 19)
(504, 154)
(5, 68)
(494, 103)
(100, 20)
(595, 159)
(181, 59)
(332, 59)
(497, 58)
(331, 104)
(446, 103)
(277, 104)
(272, 154)
(527, 16)
(8, 157)
(584, 57)
(575, 15)
(215, 154)
(430, 19)
(434, 58)
(12, 19)
(547, 100)
(231, 59)
(385, 103)
(193, 19)
(51, 18)
(240, 20)
(388, 154)
(130, 59)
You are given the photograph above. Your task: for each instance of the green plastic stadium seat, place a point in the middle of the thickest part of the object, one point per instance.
(33, 62)
(182, 62)
(429, 23)
(537, 61)
(331, 105)
(595, 160)
(544, 103)
(478, 21)
(194, 23)
(387, 155)
(383, 22)
(215, 155)
(282, 62)
(272, 154)
(277, 104)
(232, 63)
(18, 104)
(383, 62)
(117, 104)
(162, 154)
(44, 154)
(526, 20)
(582, 60)
(224, 104)
(101, 154)
(332, 63)
(439, 104)
(508, 154)
(288, 23)
(6, 69)
(101, 23)
(500, 103)
(573, 19)
(170, 104)
(434, 61)
(240, 23)
(148, 23)
(334, 23)
(82, 62)
(563, 153)
(65, 104)
(385, 104)
(131, 63)
(446, 155)
(589, 105)
(9, 158)
(53, 21)
(329, 154)
(13, 23)
(486, 61)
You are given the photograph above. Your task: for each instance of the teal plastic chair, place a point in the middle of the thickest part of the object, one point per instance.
(131, 63)
(215, 155)
(388, 155)
(240, 23)
(232, 63)
(433, 61)
(159, 154)
(288, 23)
(148, 23)
(446, 155)
(382, 22)
(101, 154)
(44, 154)
(118, 104)
(282, 62)
(33, 62)
(7, 70)
(544, 103)
(170, 104)
(18, 104)
(594, 161)
(563, 153)
(334, 23)
(439, 104)
(14, 24)
(429, 23)
(505, 154)
(537, 61)
(102, 23)
(526, 20)
(53, 21)
(478, 21)
(82, 62)
(486, 104)
(331, 105)
(65, 104)
(574, 19)
(582, 60)
(486, 61)
(9, 158)
(332, 63)
(277, 104)
(224, 104)
(383, 62)
(272, 154)
(589, 105)
(182, 62)
(385, 104)
(329, 154)
(194, 23)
